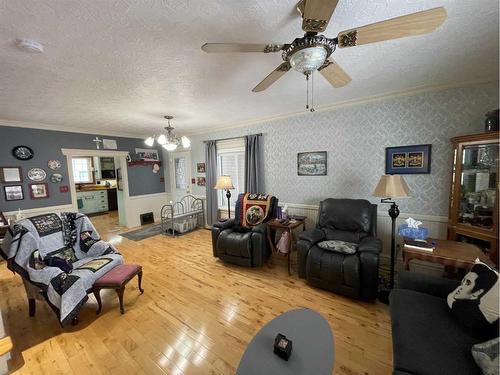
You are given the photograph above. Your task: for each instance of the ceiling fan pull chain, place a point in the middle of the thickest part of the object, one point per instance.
(312, 92)
(307, 91)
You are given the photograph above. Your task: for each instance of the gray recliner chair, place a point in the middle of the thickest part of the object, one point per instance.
(241, 245)
(354, 275)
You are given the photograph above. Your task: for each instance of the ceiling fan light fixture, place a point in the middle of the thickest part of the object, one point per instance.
(307, 60)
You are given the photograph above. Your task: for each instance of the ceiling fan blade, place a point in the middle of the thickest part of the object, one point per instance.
(241, 47)
(394, 28)
(273, 77)
(317, 14)
(334, 74)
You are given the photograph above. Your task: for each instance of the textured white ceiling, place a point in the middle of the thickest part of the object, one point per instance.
(119, 66)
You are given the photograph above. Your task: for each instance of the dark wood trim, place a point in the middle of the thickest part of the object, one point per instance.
(135, 163)
(479, 137)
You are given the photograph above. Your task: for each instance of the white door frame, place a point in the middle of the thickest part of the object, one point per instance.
(121, 155)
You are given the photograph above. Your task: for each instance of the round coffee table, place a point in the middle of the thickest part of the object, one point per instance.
(312, 346)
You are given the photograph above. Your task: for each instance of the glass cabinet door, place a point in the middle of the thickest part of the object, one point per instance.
(478, 182)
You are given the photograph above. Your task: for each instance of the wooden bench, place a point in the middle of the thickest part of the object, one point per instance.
(117, 279)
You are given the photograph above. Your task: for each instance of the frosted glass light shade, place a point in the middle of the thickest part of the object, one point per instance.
(186, 142)
(170, 146)
(308, 60)
(149, 141)
(391, 186)
(224, 182)
(162, 139)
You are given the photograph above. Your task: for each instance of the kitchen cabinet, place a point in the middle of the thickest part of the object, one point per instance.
(107, 166)
(90, 202)
(112, 200)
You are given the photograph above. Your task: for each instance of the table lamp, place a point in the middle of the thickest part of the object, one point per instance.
(392, 186)
(225, 183)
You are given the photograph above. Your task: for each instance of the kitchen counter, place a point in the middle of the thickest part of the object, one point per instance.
(95, 188)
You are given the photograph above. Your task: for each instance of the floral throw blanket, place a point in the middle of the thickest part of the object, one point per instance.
(62, 255)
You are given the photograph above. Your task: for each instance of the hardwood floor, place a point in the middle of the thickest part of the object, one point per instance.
(196, 316)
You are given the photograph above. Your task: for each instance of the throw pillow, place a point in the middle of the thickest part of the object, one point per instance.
(339, 246)
(486, 356)
(475, 301)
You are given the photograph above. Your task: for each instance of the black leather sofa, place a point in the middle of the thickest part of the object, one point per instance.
(353, 275)
(426, 338)
(243, 246)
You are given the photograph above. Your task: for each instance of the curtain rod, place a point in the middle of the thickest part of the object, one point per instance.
(226, 139)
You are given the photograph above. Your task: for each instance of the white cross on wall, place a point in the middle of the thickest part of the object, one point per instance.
(97, 141)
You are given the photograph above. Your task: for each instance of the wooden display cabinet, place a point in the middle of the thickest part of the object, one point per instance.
(473, 214)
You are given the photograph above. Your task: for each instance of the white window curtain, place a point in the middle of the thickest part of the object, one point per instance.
(231, 162)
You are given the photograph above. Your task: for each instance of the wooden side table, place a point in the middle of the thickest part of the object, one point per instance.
(276, 225)
(448, 253)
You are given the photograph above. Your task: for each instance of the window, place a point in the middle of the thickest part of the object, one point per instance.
(82, 170)
(180, 173)
(231, 162)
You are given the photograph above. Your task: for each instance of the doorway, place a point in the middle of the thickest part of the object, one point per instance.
(180, 174)
(98, 182)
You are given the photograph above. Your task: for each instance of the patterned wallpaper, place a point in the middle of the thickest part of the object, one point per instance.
(355, 138)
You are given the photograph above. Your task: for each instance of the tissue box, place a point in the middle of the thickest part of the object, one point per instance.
(414, 233)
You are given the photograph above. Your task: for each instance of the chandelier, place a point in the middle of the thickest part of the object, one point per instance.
(167, 139)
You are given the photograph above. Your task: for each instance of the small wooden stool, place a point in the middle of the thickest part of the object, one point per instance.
(116, 279)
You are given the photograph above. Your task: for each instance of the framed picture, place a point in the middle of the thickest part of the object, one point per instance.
(11, 174)
(109, 144)
(200, 168)
(13, 192)
(39, 190)
(414, 159)
(147, 154)
(201, 181)
(312, 163)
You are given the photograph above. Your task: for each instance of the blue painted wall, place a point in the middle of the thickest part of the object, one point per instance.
(47, 145)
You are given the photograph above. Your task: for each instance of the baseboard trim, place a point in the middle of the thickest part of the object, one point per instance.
(41, 210)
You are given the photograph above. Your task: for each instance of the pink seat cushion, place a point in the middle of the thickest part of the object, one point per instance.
(118, 274)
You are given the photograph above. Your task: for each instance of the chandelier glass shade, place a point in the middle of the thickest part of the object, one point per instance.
(309, 59)
(167, 139)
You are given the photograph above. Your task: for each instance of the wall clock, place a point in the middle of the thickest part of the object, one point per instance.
(22, 152)
(54, 164)
(37, 174)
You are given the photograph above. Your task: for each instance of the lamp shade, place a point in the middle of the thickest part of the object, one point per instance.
(224, 182)
(391, 186)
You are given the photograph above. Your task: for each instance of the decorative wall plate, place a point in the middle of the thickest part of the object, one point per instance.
(22, 152)
(37, 174)
(56, 177)
(54, 164)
